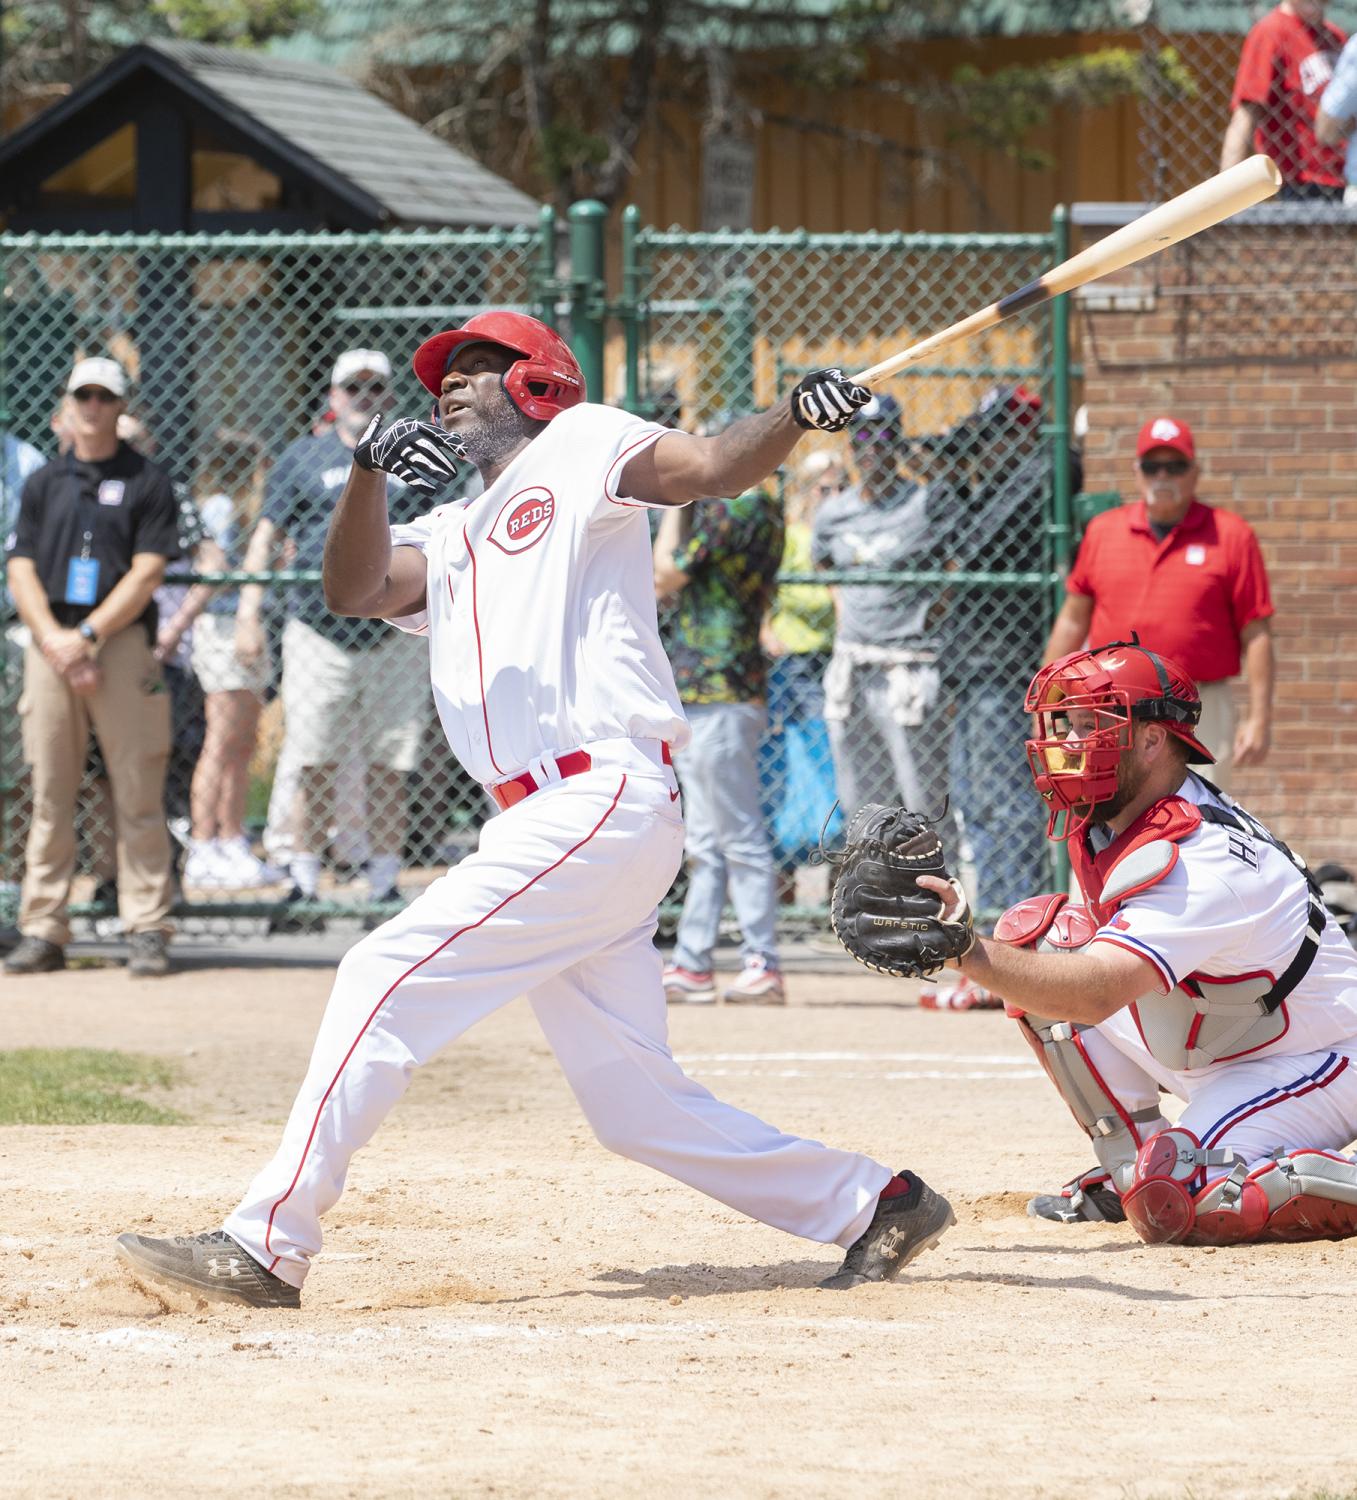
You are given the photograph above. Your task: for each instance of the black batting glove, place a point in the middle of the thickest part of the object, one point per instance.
(419, 454)
(825, 400)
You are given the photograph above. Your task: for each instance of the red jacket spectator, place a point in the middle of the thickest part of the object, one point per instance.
(1287, 60)
(1189, 579)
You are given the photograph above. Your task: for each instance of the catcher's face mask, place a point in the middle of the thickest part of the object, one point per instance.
(1084, 706)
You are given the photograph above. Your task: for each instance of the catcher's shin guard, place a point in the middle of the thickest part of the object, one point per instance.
(1053, 924)
(1175, 1198)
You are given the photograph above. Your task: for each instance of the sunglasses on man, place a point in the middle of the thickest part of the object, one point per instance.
(1175, 468)
(94, 393)
(364, 388)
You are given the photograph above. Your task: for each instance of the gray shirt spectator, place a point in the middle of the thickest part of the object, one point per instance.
(890, 530)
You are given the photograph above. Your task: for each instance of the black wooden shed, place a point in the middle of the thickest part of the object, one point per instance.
(175, 136)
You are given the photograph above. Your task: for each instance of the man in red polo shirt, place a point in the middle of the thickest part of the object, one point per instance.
(1189, 579)
(1287, 60)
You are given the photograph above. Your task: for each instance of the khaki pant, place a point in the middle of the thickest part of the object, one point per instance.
(1216, 730)
(130, 714)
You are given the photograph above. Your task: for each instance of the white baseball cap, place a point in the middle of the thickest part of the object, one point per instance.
(108, 374)
(354, 361)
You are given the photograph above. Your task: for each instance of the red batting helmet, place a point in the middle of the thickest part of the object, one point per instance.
(1084, 705)
(542, 382)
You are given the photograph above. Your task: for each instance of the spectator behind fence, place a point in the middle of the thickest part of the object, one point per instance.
(233, 689)
(178, 606)
(797, 768)
(884, 698)
(992, 490)
(1337, 117)
(95, 529)
(346, 683)
(1287, 60)
(1187, 578)
(17, 461)
(718, 559)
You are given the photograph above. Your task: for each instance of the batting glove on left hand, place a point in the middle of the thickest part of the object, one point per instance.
(826, 400)
(419, 454)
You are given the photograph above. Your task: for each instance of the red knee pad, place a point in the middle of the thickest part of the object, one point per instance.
(1171, 1201)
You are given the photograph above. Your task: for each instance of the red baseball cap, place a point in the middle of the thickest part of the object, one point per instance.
(1166, 432)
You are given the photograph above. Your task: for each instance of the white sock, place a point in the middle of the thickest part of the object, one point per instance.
(382, 870)
(305, 872)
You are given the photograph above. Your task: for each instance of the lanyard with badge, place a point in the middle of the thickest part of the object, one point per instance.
(82, 575)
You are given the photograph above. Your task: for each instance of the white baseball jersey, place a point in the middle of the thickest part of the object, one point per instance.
(1235, 906)
(541, 603)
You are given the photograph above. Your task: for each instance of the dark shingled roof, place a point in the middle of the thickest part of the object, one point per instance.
(333, 129)
(416, 177)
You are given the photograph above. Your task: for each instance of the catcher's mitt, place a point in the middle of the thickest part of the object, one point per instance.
(879, 912)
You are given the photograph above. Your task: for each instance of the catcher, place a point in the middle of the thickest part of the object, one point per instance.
(1202, 964)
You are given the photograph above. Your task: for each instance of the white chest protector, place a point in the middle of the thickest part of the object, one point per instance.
(1206, 1019)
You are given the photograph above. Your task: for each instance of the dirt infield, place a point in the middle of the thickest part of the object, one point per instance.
(503, 1308)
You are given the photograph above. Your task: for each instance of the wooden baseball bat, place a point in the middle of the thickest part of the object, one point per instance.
(1189, 213)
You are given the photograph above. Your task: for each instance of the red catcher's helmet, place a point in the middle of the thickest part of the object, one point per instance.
(1084, 705)
(542, 382)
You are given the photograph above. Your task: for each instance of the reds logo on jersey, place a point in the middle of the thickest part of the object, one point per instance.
(524, 520)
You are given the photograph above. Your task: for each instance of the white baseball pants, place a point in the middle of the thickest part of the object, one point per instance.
(558, 903)
(1253, 1107)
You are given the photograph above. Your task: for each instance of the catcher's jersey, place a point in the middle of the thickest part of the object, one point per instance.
(541, 603)
(1234, 906)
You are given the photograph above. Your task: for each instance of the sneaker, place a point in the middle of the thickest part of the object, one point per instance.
(211, 1265)
(965, 994)
(207, 866)
(146, 954)
(902, 1228)
(759, 983)
(392, 900)
(245, 868)
(36, 955)
(1090, 1198)
(287, 921)
(689, 986)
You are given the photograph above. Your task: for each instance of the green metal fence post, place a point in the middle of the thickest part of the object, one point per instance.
(544, 292)
(1061, 528)
(630, 309)
(737, 336)
(587, 289)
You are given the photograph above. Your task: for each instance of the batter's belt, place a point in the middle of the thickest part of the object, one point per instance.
(514, 789)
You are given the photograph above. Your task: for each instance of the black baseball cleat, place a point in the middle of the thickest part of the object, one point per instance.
(212, 1266)
(1090, 1198)
(902, 1228)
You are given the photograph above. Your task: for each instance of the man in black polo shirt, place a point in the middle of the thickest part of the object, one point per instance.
(95, 529)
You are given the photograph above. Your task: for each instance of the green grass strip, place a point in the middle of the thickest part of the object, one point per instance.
(82, 1086)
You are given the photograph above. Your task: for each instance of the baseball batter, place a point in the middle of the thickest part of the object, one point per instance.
(1204, 964)
(538, 605)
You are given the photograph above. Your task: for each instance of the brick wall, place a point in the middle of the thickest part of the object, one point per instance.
(1251, 337)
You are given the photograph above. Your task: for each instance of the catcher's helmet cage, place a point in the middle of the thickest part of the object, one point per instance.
(542, 382)
(1085, 705)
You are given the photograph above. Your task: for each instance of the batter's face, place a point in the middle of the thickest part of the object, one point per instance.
(474, 404)
(1168, 481)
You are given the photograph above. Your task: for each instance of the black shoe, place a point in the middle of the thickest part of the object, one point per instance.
(146, 954)
(1088, 1199)
(902, 1228)
(36, 955)
(284, 920)
(10, 938)
(211, 1265)
(392, 900)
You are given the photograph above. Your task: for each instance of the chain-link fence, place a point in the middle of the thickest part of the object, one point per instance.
(919, 546)
(309, 780)
(231, 345)
(1276, 282)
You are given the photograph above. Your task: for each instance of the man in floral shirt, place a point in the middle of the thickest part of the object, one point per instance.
(716, 563)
